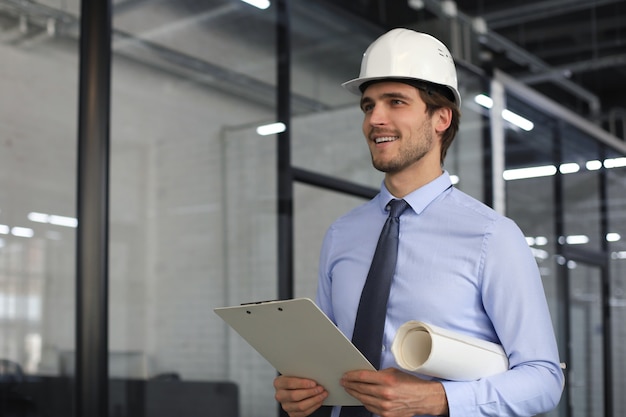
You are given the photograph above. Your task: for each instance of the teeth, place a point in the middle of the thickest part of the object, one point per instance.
(385, 139)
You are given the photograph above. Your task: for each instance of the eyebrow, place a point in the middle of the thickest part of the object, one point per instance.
(392, 94)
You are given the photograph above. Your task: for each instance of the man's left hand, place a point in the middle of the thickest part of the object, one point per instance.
(393, 393)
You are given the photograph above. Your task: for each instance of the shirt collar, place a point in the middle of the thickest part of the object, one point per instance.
(420, 198)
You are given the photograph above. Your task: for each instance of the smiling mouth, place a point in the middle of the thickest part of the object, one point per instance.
(385, 139)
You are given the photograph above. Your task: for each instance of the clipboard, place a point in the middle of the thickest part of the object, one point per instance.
(298, 339)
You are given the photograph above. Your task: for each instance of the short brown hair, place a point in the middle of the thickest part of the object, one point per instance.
(436, 97)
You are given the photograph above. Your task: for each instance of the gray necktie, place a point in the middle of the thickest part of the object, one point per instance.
(370, 319)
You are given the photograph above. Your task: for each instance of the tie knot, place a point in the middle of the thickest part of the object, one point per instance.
(397, 207)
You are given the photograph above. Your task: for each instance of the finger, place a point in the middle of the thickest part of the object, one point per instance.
(298, 395)
(361, 376)
(362, 392)
(306, 406)
(288, 382)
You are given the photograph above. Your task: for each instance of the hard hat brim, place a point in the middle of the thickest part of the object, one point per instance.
(354, 85)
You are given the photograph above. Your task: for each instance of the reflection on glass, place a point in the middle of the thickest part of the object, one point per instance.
(38, 116)
(193, 205)
(586, 372)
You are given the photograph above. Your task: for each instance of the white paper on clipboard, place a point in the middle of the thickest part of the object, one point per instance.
(298, 339)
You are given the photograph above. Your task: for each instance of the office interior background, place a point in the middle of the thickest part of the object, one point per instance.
(194, 213)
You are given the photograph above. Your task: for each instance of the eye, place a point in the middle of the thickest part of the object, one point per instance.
(367, 107)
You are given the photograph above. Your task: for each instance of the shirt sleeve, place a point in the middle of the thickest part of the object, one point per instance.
(323, 298)
(514, 299)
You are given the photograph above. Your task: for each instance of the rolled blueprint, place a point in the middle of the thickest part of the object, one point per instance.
(431, 350)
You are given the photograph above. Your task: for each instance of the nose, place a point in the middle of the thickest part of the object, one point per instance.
(377, 116)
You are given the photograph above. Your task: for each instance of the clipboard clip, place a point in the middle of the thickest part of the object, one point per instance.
(258, 302)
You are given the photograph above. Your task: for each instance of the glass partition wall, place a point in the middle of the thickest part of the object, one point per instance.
(193, 212)
(38, 125)
(560, 177)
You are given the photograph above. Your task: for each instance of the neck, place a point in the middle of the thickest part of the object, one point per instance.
(405, 182)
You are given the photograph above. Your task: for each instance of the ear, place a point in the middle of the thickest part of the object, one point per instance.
(442, 119)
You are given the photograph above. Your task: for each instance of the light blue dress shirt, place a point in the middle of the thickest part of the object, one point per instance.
(461, 266)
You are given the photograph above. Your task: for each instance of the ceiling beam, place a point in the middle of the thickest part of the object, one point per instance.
(519, 55)
(523, 57)
(512, 16)
(180, 24)
(560, 55)
(566, 30)
(166, 59)
(125, 6)
(581, 66)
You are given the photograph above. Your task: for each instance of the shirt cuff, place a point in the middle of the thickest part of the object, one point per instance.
(461, 399)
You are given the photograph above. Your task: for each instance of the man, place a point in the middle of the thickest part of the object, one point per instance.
(460, 265)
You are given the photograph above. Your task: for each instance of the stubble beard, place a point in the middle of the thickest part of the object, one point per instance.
(408, 154)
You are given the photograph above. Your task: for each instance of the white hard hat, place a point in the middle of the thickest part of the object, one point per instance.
(409, 55)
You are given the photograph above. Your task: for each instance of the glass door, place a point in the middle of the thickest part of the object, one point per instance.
(586, 370)
(588, 367)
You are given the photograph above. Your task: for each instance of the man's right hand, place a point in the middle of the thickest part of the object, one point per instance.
(299, 397)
